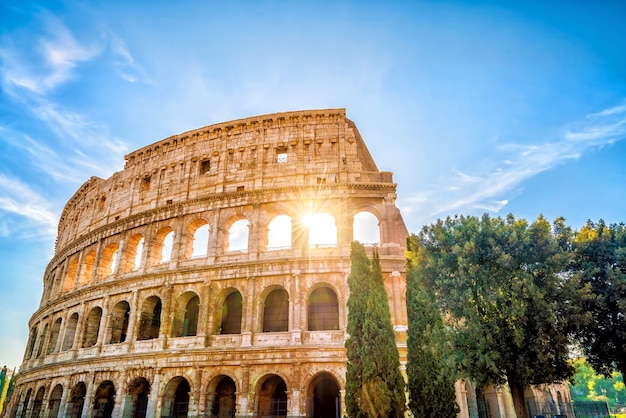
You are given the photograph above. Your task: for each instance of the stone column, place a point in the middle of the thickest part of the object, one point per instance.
(247, 327)
(135, 311)
(295, 307)
(154, 395)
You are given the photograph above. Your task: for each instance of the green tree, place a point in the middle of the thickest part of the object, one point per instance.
(587, 385)
(500, 283)
(430, 380)
(374, 384)
(600, 266)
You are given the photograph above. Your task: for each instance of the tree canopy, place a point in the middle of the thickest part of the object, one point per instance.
(600, 266)
(500, 285)
(374, 384)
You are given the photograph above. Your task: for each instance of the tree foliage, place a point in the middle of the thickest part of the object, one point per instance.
(600, 266)
(587, 385)
(500, 284)
(430, 380)
(374, 384)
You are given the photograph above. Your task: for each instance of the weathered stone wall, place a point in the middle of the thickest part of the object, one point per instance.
(129, 331)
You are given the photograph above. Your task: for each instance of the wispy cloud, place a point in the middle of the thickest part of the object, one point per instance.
(125, 64)
(55, 55)
(491, 186)
(18, 200)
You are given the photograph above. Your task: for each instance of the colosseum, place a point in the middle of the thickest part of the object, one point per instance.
(209, 276)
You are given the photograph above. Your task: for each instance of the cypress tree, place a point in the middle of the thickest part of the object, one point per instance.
(374, 384)
(430, 379)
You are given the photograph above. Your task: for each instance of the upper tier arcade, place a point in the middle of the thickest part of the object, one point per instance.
(277, 151)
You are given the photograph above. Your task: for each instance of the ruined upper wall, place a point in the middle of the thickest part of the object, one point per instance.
(291, 149)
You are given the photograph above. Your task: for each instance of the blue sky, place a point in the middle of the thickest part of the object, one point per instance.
(500, 107)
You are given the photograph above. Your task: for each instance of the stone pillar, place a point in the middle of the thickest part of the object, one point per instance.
(135, 312)
(154, 395)
(87, 406)
(249, 310)
(244, 400)
(295, 307)
(205, 312)
(105, 322)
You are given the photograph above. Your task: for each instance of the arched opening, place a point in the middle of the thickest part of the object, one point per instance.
(92, 327)
(87, 268)
(365, 229)
(104, 400)
(272, 397)
(70, 332)
(32, 339)
(44, 334)
(279, 233)
(224, 398)
(150, 319)
(139, 391)
(108, 259)
(133, 253)
(324, 397)
(276, 311)
(322, 229)
(238, 236)
(323, 310)
(186, 315)
(162, 244)
(38, 402)
(77, 400)
(55, 401)
(70, 277)
(231, 314)
(176, 398)
(120, 315)
(54, 336)
(198, 243)
(25, 405)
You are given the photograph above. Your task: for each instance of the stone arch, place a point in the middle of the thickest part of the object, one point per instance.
(279, 233)
(162, 244)
(197, 242)
(133, 253)
(176, 398)
(275, 316)
(70, 276)
(86, 268)
(238, 234)
(108, 260)
(25, 405)
(118, 325)
(70, 332)
(76, 400)
(186, 314)
(104, 400)
(322, 229)
(54, 336)
(42, 339)
(322, 309)
(324, 396)
(271, 396)
(38, 402)
(365, 228)
(32, 339)
(221, 397)
(229, 312)
(138, 392)
(150, 319)
(54, 403)
(92, 327)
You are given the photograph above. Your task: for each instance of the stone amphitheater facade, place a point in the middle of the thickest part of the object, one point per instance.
(209, 276)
